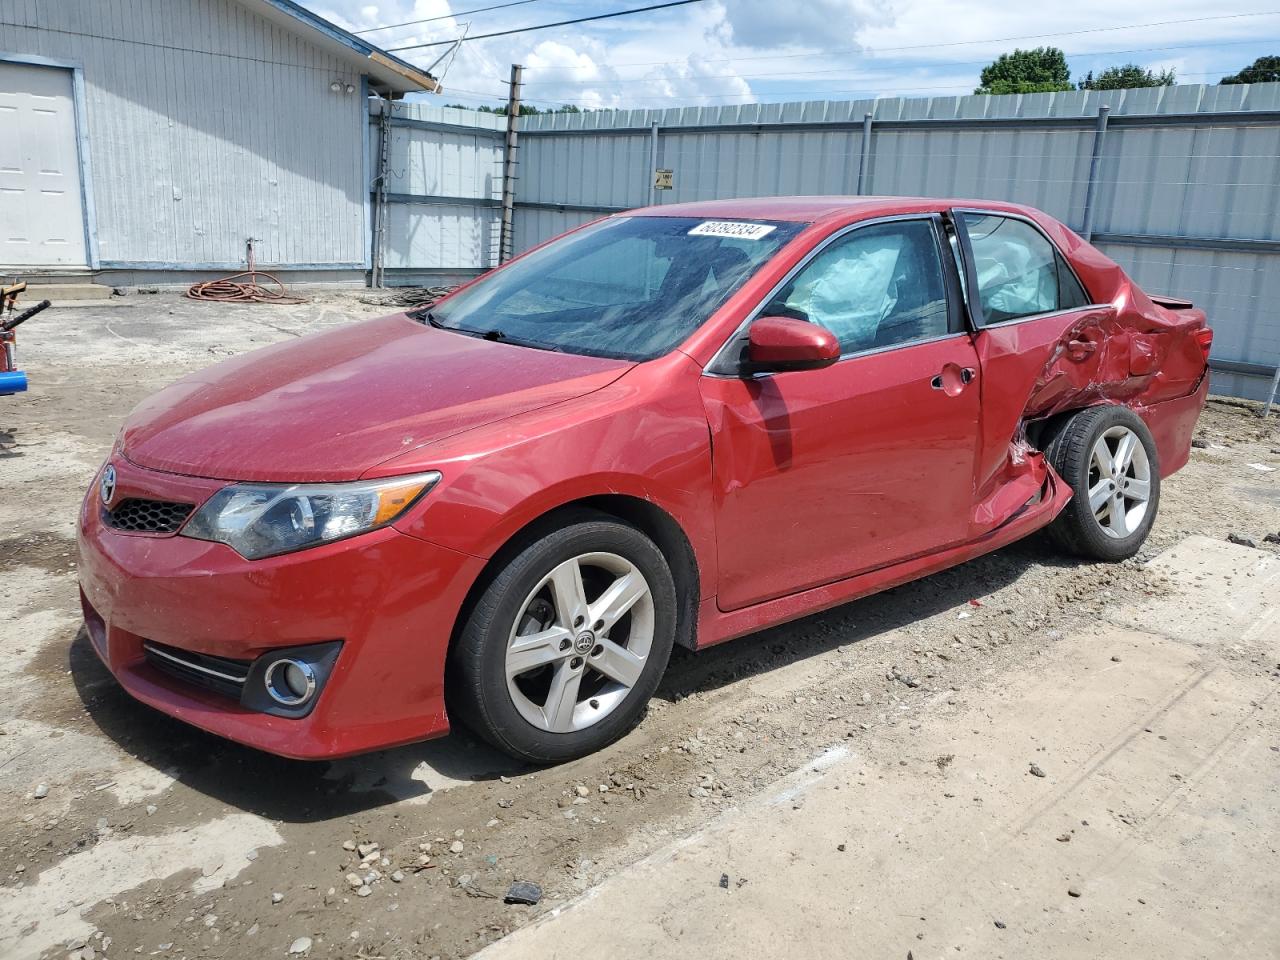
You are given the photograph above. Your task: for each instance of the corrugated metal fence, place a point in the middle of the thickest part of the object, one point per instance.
(1181, 185)
(443, 190)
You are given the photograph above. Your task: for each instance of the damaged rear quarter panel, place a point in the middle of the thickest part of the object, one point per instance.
(1122, 349)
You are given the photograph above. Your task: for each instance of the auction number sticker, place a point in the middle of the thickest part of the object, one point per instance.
(730, 228)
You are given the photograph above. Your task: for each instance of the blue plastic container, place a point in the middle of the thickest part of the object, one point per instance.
(13, 382)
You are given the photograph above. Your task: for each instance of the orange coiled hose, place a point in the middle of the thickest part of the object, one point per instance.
(232, 289)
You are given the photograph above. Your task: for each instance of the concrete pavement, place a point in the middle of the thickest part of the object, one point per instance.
(1151, 833)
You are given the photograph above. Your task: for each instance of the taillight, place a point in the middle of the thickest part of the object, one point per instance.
(1204, 337)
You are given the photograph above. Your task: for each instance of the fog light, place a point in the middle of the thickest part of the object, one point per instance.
(290, 682)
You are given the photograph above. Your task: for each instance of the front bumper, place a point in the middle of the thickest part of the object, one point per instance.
(390, 598)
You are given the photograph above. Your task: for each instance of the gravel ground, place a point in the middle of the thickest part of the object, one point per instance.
(123, 832)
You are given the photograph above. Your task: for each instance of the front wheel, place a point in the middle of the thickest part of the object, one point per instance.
(567, 644)
(1108, 457)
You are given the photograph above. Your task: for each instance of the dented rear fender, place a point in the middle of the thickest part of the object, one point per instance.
(1133, 350)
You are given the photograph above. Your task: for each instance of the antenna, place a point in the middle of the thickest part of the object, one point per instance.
(451, 53)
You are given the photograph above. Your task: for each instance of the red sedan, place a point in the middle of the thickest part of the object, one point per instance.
(673, 426)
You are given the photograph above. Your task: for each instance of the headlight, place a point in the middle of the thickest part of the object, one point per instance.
(260, 520)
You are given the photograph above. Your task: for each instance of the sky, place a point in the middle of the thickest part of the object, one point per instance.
(722, 52)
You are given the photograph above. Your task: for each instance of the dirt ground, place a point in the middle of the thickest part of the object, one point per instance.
(123, 832)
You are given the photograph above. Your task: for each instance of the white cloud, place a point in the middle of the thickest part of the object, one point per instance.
(572, 69)
(739, 51)
(553, 55)
(768, 24)
(693, 82)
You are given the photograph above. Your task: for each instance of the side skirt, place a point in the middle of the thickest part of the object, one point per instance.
(716, 626)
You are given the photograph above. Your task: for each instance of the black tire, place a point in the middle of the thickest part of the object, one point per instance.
(478, 693)
(1076, 530)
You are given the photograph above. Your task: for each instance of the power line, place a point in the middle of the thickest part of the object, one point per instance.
(548, 26)
(447, 16)
(928, 46)
(783, 77)
(458, 91)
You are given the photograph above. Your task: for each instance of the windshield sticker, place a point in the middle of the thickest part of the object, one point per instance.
(729, 228)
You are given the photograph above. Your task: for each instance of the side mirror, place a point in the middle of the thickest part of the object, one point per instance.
(785, 343)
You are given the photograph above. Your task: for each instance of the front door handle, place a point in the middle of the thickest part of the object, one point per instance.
(953, 379)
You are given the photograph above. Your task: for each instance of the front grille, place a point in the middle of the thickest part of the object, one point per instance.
(148, 516)
(220, 674)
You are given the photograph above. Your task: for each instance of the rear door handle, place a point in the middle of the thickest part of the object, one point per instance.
(1081, 348)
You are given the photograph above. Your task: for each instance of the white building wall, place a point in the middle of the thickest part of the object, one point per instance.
(207, 125)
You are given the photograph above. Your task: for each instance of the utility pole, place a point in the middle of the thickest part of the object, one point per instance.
(378, 278)
(505, 241)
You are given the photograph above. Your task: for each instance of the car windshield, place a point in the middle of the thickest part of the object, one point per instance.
(628, 287)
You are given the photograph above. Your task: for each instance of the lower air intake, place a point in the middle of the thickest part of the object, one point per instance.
(219, 674)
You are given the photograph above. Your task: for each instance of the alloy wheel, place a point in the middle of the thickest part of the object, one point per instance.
(580, 642)
(1119, 482)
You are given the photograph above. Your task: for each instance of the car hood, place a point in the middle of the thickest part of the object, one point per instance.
(331, 406)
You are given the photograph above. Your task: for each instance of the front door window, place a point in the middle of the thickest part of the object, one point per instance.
(877, 286)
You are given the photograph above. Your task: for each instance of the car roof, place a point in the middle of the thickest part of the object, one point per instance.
(816, 209)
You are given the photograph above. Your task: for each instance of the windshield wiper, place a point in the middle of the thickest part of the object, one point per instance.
(435, 321)
(494, 334)
(498, 335)
(425, 314)
(431, 318)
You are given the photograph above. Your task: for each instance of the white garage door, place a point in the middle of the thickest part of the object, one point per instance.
(41, 208)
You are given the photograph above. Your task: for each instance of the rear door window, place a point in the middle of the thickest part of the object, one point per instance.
(1020, 273)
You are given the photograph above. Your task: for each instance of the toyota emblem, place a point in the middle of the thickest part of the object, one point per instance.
(107, 485)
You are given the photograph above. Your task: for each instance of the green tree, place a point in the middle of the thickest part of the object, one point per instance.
(1127, 77)
(1262, 70)
(1042, 70)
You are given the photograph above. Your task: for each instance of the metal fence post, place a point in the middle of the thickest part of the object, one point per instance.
(865, 162)
(1271, 397)
(1090, 194)
(653, 163)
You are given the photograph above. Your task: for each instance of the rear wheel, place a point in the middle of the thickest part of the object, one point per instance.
(567, 643)
(1108, 457)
